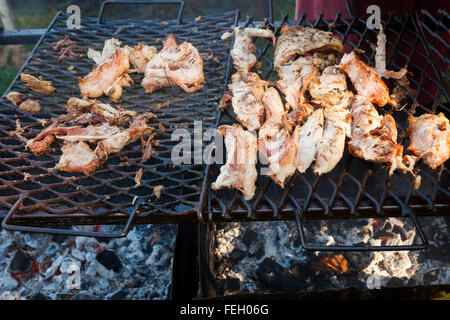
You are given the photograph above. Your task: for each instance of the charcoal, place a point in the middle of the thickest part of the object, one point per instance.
(237, 254)
(20, 263)
(109, 260)
(277, 278)
(249, 237)
(232, 285)
(118, 295)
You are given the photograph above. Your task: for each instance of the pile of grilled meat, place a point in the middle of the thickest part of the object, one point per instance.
(92, 130)
(321, 113)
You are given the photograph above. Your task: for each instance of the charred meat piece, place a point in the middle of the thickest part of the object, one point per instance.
(401, 91)
(243, 49)
(87, 119)
(310, 136)
(108, 77)
(140, 55)
(37, 85)
(374, 137)
(247, 90)
(275, 142)
(93, 111)
(111, 114)
(16, 98)
(45, 138)
(298, 40)
(430, 138)
(174, 65)
(78, 157)
(90, 133)
(30, 105)
(366, 79)
(239, 172)
(65, 48)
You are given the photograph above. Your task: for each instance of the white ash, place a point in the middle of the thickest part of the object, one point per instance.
(146, 255)
(279, 241)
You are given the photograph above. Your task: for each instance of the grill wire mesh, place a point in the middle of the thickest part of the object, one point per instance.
(358, 188)
(53, 197)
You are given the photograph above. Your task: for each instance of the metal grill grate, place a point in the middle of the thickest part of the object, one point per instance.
(356, 188)
(108, 195)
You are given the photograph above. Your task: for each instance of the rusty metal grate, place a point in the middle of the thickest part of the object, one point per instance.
(357, 188)
(50, 197)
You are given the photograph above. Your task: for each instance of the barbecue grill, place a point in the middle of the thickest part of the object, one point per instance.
(356, 188)
(36, 198)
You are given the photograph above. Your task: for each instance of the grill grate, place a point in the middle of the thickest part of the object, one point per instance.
(357, 188)
(108, 195)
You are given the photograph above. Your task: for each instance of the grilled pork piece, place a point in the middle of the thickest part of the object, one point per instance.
(294, 82)
(108, 77)
(366, 79)
(16, 98)
(37, 85)
(330, 148)
(430, 138)
(330, 88)
(402, 88)
(90, 133)
(109, 48)
(380, 59)
(93, 111)
(111, 114)
(174, 65)
(310, 136)
(374, 137)
(45, 138)
(65, 47)
(243, 49)
(247, 90)
(275, 142)
(239, 171)
(30, 105)
(298, 40)
(295, 78)
(330, 91)
(78, 156)
(140, 55)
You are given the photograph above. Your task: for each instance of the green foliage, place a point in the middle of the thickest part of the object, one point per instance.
(7, 75)
(282, 7)
(34, 20)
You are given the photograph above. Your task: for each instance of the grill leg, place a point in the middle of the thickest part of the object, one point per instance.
(206, 260)
(185, 263)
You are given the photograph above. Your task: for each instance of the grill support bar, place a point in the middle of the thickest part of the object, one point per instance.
(67, 232)
(149, 2)
(301, 220)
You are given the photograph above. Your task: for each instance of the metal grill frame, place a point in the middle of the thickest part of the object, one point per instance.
(235, 208)
(41, 216)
